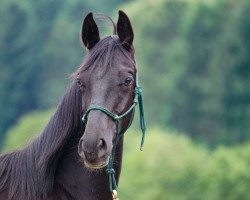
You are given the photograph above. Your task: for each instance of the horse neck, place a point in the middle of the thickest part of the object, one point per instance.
(75, 180)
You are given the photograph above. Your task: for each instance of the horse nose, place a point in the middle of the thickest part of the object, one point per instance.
(92, 151)
(102, 144)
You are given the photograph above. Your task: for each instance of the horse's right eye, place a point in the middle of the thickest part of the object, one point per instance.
(128, 80)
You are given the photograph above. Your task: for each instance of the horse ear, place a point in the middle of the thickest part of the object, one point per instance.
(125, 30)
(90, 32)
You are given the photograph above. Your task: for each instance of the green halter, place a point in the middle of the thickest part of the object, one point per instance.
(119, 133)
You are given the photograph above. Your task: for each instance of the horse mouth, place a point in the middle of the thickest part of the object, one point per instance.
(99, 165)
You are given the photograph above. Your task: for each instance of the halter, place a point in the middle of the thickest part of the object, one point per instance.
(119, 133)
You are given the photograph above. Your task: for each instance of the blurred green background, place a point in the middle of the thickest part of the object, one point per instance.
(194, 65)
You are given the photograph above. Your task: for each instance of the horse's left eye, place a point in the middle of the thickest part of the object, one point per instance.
(128, 80)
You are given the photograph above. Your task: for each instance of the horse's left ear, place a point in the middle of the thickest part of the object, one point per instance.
(125, 30)
(90, 32)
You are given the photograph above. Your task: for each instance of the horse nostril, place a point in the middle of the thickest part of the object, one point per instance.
(102, 144)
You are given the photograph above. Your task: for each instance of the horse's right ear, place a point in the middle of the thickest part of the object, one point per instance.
(90, 32)
(125, 30)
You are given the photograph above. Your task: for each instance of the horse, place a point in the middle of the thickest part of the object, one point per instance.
(69, 160)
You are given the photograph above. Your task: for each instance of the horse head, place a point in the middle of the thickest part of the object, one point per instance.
(107, 80)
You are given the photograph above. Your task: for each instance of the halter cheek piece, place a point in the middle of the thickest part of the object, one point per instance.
(119, 133)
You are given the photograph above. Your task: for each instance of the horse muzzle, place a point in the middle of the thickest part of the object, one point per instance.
(94, 152)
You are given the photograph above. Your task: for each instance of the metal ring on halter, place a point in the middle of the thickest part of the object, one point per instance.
(115, 195)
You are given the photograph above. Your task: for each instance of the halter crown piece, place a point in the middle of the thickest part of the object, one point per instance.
(119, 133)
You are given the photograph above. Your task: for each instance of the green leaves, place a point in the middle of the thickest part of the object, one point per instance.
(39, 49)
(194, 64)
(28, 127)
(173, 167)
(193, 58)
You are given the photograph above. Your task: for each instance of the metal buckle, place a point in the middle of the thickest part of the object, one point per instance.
(115, 195)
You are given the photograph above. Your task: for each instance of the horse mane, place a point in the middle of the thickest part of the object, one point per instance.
(30, 172)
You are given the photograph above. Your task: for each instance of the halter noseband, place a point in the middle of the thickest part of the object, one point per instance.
(119, 133)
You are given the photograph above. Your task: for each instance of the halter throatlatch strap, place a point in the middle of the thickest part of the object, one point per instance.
(119, 133)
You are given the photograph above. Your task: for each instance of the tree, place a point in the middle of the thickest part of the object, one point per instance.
(39, 48)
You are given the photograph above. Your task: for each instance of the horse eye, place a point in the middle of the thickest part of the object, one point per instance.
(81, 85)
(128, 80)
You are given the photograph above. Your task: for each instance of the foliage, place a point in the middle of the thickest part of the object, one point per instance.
(194, 67)
(173, 167)
(170, 167)
(39, 48)
(26, 128)
(193, 60)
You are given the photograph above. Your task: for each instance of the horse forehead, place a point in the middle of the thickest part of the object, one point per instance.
(102, 75)
(101, 85)
(108, 71)
(101, 81)
(104, 72)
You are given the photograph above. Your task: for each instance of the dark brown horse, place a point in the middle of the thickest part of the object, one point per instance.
(67, 160)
